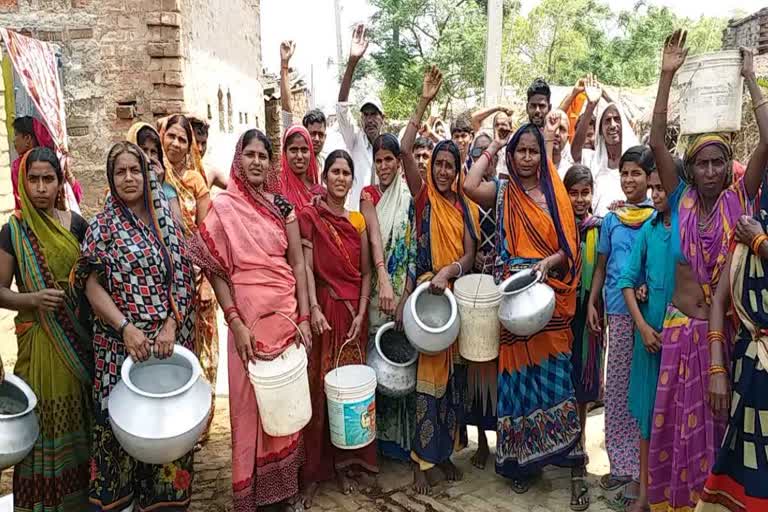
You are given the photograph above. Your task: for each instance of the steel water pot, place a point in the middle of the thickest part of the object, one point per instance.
(393, 379)
(19, 428)
(160, 407)
(431, 322)
(527, 304)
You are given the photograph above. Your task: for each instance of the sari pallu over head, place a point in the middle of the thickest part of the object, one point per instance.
(527, 231)
(144, 267)
(46, 253)
(288, 184)
(446, 222)
(187, 199)
(243, 240)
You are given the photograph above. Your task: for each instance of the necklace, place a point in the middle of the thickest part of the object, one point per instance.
(527, 190)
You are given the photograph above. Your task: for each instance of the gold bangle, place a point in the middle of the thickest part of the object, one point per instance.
(715, 369)
(757, 242)
(713, 336)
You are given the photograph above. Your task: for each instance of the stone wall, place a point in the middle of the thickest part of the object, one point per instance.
(750, 31)
(125, 61)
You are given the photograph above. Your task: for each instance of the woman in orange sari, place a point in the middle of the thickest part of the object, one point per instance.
(538, 422)
(249, 246)
(184, 172)
(338, 258)
(447, 226)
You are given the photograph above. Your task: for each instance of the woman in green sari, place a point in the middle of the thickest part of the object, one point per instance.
(39, 246)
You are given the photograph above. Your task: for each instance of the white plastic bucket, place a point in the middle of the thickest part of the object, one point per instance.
(351, 395)
(478, 299)
(711, 89)
(281, 387)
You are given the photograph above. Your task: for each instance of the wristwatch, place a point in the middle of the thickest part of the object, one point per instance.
(122, 327)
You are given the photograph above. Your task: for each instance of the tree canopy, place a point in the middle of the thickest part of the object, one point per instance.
(561, 40)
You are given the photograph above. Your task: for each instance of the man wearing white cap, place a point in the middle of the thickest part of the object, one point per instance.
(359, 142)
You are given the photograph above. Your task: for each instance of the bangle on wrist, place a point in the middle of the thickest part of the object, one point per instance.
(313, 307)
(757, 242)
(461, 269)
(716, 368)
(715, 336)
(302, 319)
(122, 326)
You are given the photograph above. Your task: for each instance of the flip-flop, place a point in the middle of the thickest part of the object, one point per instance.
(583, 492)
(610, 483)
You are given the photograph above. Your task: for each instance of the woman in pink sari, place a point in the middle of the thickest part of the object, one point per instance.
(298, 180)
(249, 246)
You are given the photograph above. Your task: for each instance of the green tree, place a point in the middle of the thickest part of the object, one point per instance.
(411, 34)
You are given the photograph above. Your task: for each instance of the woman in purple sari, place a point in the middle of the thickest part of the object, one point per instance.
(705, 204)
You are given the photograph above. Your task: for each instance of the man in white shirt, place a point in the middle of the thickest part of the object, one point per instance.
(359, 142)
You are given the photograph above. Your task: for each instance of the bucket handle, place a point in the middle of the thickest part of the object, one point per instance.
(295, 326)
(338, 356)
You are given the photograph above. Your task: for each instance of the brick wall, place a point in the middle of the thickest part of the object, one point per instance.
(750, 31)
(125, 61)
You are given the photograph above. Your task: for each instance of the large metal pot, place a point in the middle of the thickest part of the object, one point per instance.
(19, 428)
(527, 304)
(431, 322)
(160, 407)
(393, 379)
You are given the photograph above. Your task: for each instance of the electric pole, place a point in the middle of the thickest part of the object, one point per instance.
(493, 52)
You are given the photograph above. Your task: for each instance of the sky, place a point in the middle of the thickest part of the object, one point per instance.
(310, 23)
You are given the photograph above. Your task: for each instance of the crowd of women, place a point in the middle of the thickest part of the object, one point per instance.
(289, 265)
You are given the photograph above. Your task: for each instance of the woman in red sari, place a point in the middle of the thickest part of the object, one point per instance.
(298, 181)
(339, 281)
(249, 246)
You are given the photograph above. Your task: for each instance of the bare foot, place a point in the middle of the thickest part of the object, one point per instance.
(294, 504)
(308, 495)
(420, 482)
(452, 473)
(366, 480)
(639, 506)
(480, 458)
(346, 484)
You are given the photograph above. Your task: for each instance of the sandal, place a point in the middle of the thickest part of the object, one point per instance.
(521, 485)
(621, 502)
(579, 494)
(610, 483)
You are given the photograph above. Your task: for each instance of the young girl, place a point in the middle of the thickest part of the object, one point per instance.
(587, 355)
(617, 235)
(648, 265)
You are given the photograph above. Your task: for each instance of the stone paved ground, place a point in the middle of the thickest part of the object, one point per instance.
(480, 491)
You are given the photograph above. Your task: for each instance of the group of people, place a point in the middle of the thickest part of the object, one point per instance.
(323, 249)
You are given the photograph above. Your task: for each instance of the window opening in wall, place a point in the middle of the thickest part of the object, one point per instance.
(240, 117)
(229, 112)
(210, 116)
(246, 118)
(222, 127)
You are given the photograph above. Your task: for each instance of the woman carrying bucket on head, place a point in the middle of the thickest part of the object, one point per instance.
(250, 247)
(337, 255)
(447, 226)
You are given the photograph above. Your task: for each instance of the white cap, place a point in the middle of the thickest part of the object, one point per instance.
(373, 101)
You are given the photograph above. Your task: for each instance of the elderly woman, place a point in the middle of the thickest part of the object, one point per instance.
(134, 236)
(536, 232)
(39, 246)
(705, 207)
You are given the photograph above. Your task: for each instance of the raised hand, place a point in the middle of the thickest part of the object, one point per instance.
(433, 79)
(675, 51)
(747, 64)
(593, 89)
(579, 87)
(359, 42)
(551, 124)
(287, 49)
